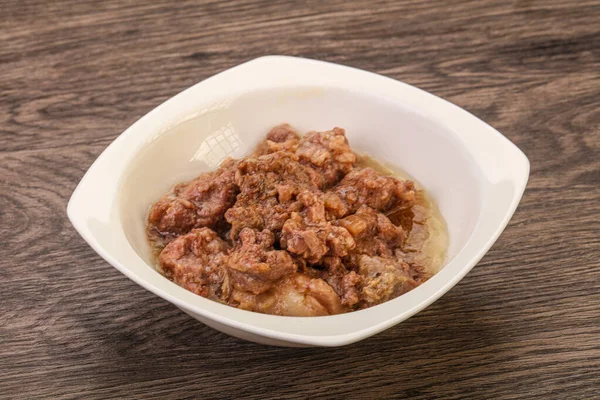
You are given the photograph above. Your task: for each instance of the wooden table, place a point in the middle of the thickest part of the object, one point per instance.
(524, 323)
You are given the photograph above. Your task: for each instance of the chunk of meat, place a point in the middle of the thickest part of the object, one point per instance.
(199, 203)
(299, 295)
(312, 242)
(196, 261)
(280, 138)
(350, 288)
(310, 235)
(383, 279)
(269, 186)
(254, 265)
(373, 233)
(367, 187)
(296, 295)
(329, 153)
(267, 214)
(260, 177)
(347, 284)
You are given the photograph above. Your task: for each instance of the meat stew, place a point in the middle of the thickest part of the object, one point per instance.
(303, 226)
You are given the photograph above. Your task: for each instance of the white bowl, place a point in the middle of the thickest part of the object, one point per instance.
(475, 174)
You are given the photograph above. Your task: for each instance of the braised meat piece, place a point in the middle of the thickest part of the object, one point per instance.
(373, 233)
(254, 265)
(267, 214)
(383, 279)
(310, 235)
(280, 138)
(264, 176)
(268, 186)
(196, 261)
(345, 282)
(295, 295)
(199, 203)
(365, 186)
(374, 236)
(329, 153)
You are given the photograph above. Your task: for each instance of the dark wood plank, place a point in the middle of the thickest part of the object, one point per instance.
(524, 323)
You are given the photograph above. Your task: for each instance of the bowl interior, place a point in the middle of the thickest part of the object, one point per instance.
(387, 130)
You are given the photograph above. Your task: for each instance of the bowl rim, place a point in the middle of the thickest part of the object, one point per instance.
(497, 158)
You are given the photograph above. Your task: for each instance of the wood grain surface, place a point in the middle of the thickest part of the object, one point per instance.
(525, 323)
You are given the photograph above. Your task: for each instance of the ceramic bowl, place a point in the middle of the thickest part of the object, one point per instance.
(475, 175)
